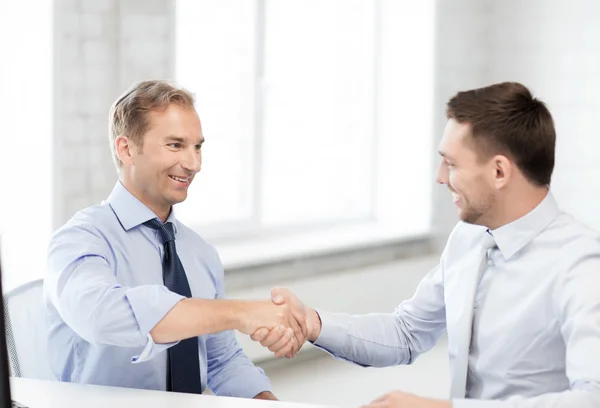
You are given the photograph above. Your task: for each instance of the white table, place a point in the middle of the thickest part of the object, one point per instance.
(54, 394)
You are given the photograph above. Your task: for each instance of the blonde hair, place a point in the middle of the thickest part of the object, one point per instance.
(129, 113)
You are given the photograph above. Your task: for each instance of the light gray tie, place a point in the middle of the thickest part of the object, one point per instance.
(459, 372)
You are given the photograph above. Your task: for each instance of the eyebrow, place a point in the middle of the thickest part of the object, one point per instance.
(179, 139)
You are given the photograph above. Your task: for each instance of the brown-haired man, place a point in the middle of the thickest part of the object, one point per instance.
(517, 284)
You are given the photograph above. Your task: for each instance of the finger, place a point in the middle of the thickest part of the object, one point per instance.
(298, 333)
(295, 349)
(283, 342)
(300, 316)
(274, 336)
(260, 334)
(287, 349)
(293, 353)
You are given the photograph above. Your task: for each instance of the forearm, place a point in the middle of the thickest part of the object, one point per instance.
(198, 317)
(374, 340)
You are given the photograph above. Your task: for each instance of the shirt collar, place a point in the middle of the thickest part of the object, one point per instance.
(130, 211)
(512, 237)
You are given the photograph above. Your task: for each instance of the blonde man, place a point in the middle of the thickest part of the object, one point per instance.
(134, 297)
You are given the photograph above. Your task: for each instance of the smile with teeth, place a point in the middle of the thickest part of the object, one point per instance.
(181, 180)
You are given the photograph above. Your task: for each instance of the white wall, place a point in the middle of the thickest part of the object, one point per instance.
(554, 48)
(551, 46)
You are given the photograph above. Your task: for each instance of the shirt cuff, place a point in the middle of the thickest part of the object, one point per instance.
(248, 382)
(150, 304)
(255, 384)
(334, 332)
(151, 350)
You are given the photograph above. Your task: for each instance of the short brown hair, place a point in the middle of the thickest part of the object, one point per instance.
(129, 113)
(506, 119)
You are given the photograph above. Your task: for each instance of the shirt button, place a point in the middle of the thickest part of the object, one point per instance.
(490, 262)
(475, 306)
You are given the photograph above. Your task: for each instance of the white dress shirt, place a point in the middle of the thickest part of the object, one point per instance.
(536, 315)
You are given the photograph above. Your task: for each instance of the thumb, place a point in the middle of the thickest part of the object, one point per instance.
(277, 296)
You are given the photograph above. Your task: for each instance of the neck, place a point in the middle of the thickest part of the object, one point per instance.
(517, 204)
(161, 211)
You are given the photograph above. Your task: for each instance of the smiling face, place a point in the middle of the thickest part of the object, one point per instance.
(470, 180)
(160, 171)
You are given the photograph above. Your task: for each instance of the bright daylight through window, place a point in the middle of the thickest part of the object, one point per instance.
(317, 123)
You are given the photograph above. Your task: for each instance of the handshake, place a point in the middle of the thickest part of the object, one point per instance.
(281, 324)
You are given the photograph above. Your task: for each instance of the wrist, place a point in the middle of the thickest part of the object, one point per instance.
(315, 325)
(237, 316)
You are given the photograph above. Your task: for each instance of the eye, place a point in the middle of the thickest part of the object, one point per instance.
(175, 145)
(198, 146)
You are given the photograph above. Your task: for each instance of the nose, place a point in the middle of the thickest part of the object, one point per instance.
(192, 161)
(442, 173)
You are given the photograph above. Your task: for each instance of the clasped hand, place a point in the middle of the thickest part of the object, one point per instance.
(280, 324)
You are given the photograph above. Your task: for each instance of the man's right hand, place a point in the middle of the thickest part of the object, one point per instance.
(273, 339)
(286, 323)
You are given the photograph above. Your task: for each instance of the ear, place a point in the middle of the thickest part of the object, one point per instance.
(124, 148)
(503, 171)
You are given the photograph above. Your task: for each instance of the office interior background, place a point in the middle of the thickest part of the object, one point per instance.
(321, 120)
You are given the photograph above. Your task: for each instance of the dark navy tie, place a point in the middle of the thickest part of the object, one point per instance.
(184, 366)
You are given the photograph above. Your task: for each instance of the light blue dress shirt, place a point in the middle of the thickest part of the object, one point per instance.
(536, 321)
(104, 293)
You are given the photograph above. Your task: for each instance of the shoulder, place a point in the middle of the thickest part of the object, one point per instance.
(94, 220)
(86, 234)
(572, 239)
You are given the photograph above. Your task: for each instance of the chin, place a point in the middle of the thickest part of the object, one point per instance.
(473, 220)
(177, 198)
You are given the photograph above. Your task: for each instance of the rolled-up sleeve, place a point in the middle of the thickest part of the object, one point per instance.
(83, 288)
(230, 372)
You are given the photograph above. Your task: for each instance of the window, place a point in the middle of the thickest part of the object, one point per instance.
(25, 156)
(317, 116)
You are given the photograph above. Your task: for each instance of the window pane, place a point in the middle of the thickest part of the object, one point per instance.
(318, 122)
(215, 56)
